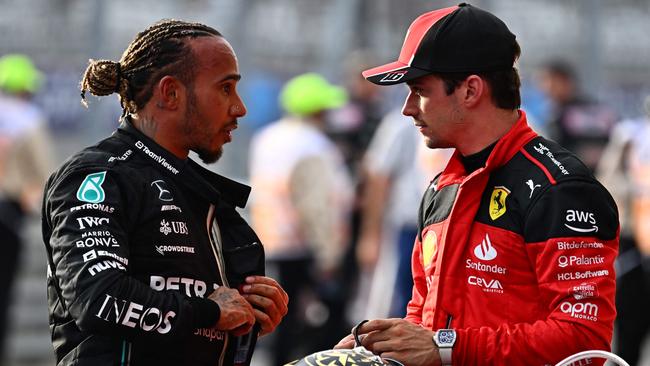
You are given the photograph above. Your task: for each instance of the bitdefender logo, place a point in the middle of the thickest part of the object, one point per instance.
(485, 251)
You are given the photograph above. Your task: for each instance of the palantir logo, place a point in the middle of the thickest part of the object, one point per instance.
(91, 189)
(485, 251)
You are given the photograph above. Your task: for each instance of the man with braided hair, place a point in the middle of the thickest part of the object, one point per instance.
(148, 260)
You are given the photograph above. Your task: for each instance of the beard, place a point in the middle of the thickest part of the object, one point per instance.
(209, 157)
(193, 128)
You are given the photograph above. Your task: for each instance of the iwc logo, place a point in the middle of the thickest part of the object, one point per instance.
(498, 202)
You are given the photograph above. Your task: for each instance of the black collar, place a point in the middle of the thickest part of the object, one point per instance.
(208, 184)
(477, 160)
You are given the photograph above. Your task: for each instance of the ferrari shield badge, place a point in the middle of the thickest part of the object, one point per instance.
(498, 202)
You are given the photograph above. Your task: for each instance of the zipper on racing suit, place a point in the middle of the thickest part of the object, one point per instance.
(214, 234)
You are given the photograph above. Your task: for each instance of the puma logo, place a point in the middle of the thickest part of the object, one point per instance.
(532, 187)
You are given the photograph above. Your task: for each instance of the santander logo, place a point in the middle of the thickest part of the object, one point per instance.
(485, 251)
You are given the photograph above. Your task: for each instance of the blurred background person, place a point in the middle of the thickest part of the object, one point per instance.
(24, 166)
(300, 210)
(576, 121)
(397, 169)
(625, 170)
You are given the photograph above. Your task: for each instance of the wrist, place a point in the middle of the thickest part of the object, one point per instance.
(206, 312)
(444, 339)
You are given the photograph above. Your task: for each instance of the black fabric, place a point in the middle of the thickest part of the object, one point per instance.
(468, 40)
(131, 262)
(477, 160)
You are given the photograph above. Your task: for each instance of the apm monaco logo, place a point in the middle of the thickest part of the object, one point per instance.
(485, 251)
(580, 310)
(392, 77)
(581, 221)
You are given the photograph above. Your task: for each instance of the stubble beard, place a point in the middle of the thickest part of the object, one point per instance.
(195, 130)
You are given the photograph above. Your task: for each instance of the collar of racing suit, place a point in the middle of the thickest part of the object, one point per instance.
(505, 148)
(211, 186)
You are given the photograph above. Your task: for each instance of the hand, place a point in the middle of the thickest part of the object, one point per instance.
(345, 343)
(269, 301)
(400, 340)
(236, 313)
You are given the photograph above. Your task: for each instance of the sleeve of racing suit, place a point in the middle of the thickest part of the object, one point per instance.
(571, 238)
(94, 280)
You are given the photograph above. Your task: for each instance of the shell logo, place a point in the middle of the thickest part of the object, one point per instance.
(429, 247)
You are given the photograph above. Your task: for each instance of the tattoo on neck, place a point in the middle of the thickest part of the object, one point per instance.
(149, 127)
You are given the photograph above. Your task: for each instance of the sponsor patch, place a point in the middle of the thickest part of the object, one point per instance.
(580, 221)
(93, 206)
(91, 190)
(91, 221)
(177, 227)
(162, 249)
(580, 310)
(582, 260)
(584, 290)
(542, 149)
(429, 247)
(498, 202)
(163, 191)
(485, 251)
(487, 285)
(583, 275)
(134, 315)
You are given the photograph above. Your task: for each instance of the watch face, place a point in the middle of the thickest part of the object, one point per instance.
(446, 337)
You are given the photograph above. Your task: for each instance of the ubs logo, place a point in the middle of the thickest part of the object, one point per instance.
(163, 193)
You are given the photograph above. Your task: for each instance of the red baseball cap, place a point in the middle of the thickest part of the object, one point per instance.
(460, 38)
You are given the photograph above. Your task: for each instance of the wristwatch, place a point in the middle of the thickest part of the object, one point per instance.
(445, 339)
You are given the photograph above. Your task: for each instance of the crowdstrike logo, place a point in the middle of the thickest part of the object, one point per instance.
(485, 251)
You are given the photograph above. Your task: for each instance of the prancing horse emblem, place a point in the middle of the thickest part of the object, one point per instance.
(498, 202)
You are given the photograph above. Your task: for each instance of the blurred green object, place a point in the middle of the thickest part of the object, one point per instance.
(18, 74)
(310, 93)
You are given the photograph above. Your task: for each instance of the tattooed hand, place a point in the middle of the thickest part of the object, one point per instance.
(237, 314)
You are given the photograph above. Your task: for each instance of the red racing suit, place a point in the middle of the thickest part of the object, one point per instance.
(518, 256)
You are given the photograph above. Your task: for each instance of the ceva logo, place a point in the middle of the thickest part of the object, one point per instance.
(485, 251)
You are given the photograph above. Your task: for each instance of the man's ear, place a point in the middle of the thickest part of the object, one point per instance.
(170, 92)
(475, 89)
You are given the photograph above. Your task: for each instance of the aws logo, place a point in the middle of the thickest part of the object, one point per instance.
(580, 221)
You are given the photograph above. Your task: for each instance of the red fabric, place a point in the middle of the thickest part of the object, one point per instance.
(532, 321)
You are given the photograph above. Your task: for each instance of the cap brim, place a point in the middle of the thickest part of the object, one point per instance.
(393, 73)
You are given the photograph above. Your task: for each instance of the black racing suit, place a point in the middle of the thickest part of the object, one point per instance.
(136, 240)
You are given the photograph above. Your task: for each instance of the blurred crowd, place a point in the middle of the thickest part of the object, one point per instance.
(337, 180)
